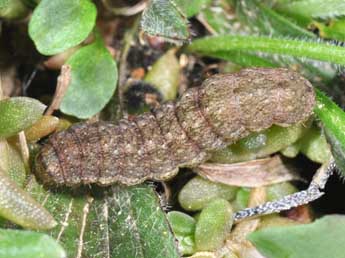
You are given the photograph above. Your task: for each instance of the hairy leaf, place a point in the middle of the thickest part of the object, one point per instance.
(18, 206)
(244, 58)
(123, 222)
(140, 228)
(263, 20)
(333, 120)
(295, 48)
(58, 25)
(11, 161)
(163, 18)
(18, 113)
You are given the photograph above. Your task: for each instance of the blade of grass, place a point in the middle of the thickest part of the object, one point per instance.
(333, 119)
(296, 48)
(264, 21)
(313, 8)
(244, 59)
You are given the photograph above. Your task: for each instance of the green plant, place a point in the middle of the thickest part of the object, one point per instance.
(98, 51)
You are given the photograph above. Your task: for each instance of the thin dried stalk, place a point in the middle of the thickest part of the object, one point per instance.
(24, 149)
(237, 241)
(63, 82)
(203, 255)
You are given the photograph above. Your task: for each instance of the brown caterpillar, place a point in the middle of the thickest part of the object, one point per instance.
(154, 145)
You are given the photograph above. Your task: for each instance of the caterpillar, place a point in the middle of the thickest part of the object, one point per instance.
(154, 145)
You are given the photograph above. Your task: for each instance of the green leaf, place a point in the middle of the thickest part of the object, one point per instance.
(166, 81)
(43, 127)
(186, 244)
(183, 227)
(118, 222)
(296, 48)
(11, 162)
(261, 18)
(162, 18)
(313, 145)
(198, 192)
(181, 223)
(241, 200)
(313, 8)
(279, 191)
(192, 7)
(333, 120)
(140, 228)
(13, 9)
(31, 3)
(260, 144)
(219, 21)
(26, 244)
(333, 29)
(213, 225)
(18, 113)
(93, 81)
(18, 206)
(322, 238)
(243, 58)
(61, 24)
(77, 219)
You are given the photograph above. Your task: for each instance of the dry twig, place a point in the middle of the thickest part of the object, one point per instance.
(63, 82)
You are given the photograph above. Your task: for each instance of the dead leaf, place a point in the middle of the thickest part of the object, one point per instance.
(253, 173)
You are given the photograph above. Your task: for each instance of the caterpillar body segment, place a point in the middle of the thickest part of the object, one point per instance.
(224, 109)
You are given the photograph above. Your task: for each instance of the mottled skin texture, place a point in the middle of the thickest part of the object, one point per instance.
(154, 145)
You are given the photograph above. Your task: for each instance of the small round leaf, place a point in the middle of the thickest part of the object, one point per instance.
(58, 25)
(93, 81)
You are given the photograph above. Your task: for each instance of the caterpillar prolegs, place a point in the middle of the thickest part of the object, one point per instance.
(224, 109)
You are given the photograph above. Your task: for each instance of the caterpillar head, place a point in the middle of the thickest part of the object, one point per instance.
(255, 99)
